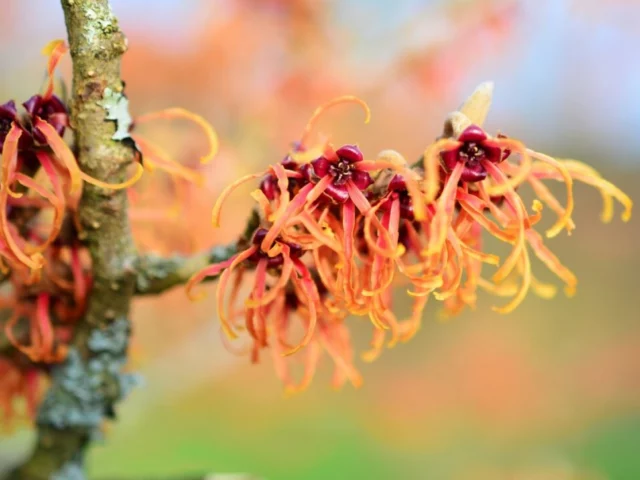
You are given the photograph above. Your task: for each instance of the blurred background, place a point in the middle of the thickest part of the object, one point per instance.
(549, 392)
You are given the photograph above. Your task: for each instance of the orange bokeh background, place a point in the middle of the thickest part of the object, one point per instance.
(551, 391)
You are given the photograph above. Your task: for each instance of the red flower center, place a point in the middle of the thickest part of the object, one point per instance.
(475, 147)
(5, 125)
(341, 171)
(341, 167)
(471, 153)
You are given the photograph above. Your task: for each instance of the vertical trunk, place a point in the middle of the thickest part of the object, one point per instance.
(86, 387)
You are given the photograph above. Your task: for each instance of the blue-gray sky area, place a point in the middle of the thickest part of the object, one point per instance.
(572, 67)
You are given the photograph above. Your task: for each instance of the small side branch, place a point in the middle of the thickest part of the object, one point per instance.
(157, 274)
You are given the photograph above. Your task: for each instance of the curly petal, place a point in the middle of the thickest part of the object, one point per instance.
(55, 50)
(318, 112)
(181, 113)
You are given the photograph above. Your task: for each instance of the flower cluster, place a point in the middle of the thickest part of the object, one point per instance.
(337, 233)
(45, 269)
(32, 141)
(39, 250)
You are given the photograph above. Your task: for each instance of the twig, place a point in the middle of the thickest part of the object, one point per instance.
(158, 274)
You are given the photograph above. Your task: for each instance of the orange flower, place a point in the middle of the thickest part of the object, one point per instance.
(30, 142)
(469, 171)
(51, 307)
(320, 240)
(337, 233)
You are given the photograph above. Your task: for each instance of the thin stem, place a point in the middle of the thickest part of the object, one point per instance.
(159, 274)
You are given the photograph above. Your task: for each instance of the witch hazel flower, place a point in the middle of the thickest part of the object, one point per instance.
(45, 268)
(331, 337)
(483, 175)
(339, 172)
(317, 198)
(336, 234)
(51, 306)
(283, 259)
(32, 140)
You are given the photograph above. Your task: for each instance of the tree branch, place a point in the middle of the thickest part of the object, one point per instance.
(158, 274)
(87, 385)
